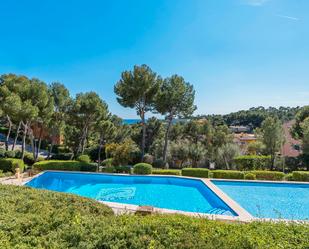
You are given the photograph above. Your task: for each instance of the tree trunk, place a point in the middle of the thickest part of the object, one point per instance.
(33, 143)
(166, 139)
(8, 134)
(143, 134)
(50, 149)
(38, 148)
(23, 147)
(16, 136)
(272, 162)
(99, 152)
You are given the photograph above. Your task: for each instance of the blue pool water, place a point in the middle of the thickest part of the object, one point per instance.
(269, 200)
(163, 192)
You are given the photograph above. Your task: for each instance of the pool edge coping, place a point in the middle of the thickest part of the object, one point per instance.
(243, 215)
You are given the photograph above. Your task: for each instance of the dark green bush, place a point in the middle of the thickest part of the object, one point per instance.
(142, 169)
(288, 177)
(89, 167)
(158, 163)
(123, 169)
(10, 154)
(228, 174)
(252, 162)
(10, 164)
(109, 169)
(176, 172)
(33, 218)
(148, 159)
(108, 162)
(83, 159)
(62, 156)
(63, 165)
(250, 176)
(29, 159)
(302, 176)
(2, 153)
(195, 172)
(268, 175)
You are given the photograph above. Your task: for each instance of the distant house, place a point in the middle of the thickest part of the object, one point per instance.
(239, 129)
(243, 139)
(291, 146)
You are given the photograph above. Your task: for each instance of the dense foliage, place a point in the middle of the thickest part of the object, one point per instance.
(228, 174)
(142, 169)
(204, 173)
(252, 162)
(64, 165)
(10, 164)
(32, 218)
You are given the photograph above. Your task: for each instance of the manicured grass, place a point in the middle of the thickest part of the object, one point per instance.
(31, 218)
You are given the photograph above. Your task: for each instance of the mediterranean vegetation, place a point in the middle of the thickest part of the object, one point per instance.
(32, 218)
(44, 127)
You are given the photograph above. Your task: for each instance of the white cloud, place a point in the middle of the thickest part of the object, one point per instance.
(288, 17)
(256, 3)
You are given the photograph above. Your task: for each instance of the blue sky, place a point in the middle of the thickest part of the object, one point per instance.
(236, 53)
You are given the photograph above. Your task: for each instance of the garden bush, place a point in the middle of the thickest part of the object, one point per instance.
(123, 169)
(29, 159)
(142, 169)
(109, 169)
(166, 172)
(83, 159)
(158, 163)
(32, 218)
(195, 172)
(268, 175)
(2, 153)
(302, 176)
(228, 174)
(252, 162)
(62, 156)
(64, 165)
(107, 162)
(288, 177)
(10, 164)
(147, 158)
(89, 167)
(10, 154)
(250, 176)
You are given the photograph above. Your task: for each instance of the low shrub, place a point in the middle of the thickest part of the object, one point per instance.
(63, 165)
(84, 159)
(123, 169)
(148, 159)
(5, 174)
(110, 169)
(302, 176)
(62, 156)
(195, 172)
(158, 163)
(2, 153)
(252, 162)
(228, 174)
(88, 167)
(58, 220)
(268, 175)
(250, 176)
(108, 162)
(288, 177)
(10, 154)
(142, 169)
(29, 159)
(10, 164)
(166, 172)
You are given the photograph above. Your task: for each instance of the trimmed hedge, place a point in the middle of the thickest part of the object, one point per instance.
(252, 162)
(32, 218)
(268, 175)
(142, 169)
(64, 165)
(250, 176)
(228, 174)
(62, 156)
(166, 172)
(84, 159)
(10, 164)
(302, 176)
(195, 172)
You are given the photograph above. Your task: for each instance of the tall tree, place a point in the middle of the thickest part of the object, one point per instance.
(62, 101)
(305, 141)
(137, 89)
(175, 99)
(272, 137)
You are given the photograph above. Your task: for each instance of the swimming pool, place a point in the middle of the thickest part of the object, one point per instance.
(269, 200)
(167, 192)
